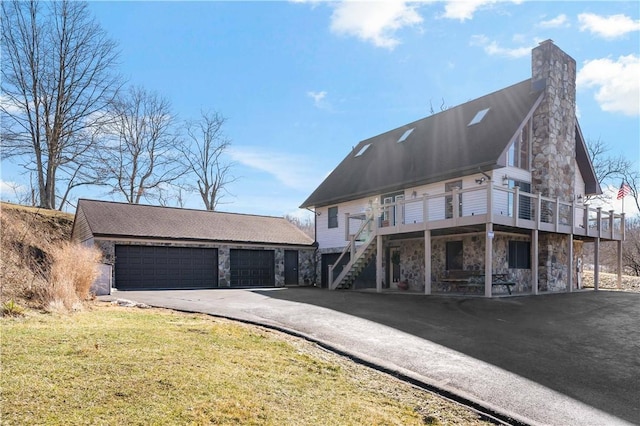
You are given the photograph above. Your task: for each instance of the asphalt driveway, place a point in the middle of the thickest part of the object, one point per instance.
(555, 359)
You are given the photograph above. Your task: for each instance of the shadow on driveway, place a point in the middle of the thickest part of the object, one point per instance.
(584, 345)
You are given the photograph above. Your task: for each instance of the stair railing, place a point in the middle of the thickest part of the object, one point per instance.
(352, 249)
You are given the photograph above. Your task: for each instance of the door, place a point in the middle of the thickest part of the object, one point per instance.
(291, 267)
(252, 268)
(149, 267)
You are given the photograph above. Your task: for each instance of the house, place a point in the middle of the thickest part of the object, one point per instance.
(151, 247)
(487, 197)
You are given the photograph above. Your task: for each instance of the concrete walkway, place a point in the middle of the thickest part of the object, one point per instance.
(565, 359)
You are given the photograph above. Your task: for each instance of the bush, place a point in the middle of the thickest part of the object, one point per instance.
(11, 309)
(74, 268)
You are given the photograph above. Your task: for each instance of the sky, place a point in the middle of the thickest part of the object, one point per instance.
(302, 82)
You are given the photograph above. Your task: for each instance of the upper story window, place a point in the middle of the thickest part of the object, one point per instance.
(333, 217)
(519, 153)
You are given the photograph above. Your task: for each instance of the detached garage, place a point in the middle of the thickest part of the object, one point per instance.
(161, 248)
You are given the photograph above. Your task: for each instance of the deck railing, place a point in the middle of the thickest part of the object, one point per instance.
(498, 205)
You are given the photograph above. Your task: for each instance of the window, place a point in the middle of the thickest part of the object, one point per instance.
(454, 255)
(519, 255)
(448, 187)
(478, 117)
(405, 135)
(518, 153)
(362, 150)
(333, 217)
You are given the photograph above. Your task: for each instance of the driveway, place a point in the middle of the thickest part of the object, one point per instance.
(555, 359)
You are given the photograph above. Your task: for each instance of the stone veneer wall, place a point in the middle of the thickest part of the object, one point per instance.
(473, 260)
(306, 257)
(553, 152)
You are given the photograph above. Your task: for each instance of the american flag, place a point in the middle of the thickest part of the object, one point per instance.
(623, 191)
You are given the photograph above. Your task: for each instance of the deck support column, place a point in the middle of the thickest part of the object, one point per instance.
(379, 263)
(535, 250)
(596, 264)
(488, 259)
(619, 278)
(427, 261)
(570, 263)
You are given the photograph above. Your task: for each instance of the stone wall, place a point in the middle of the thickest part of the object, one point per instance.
(473, 259)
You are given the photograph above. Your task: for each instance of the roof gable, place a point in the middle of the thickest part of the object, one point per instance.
(141, 221)
(459, 141)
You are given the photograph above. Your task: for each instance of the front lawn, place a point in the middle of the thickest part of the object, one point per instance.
(114, 365)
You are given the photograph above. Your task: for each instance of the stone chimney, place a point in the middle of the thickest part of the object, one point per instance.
(554, 122)
(553, 150)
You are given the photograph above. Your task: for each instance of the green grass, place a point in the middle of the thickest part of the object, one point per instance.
(113, 365)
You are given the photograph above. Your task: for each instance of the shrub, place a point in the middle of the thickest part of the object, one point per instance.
(11, 309)
(74, 268)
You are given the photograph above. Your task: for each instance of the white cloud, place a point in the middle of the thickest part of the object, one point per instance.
(319, 99)
(617, 83)
(291, 170)
(10, 190)
(375, 22)
(492, 48)
(463, 10)
(557, 22)
(609, 27)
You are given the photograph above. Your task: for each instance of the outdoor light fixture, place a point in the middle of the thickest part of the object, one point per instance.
(481, 180)
(505, 180)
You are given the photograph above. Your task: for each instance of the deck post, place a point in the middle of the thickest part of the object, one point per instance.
(516, 206)
(488, 259)
(489, 202)
(556, 214)
(379, 263)
(570, 272)
(611, 220)
(427, 261)
(346, 227)
(596, 263)
(534, 261)
(619, 277)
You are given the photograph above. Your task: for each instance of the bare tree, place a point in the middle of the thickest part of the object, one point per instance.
(631, 249)
(57, 79)
(306, 224)
(631, 177)
(204, 157)
(141, 157)
(608, 169)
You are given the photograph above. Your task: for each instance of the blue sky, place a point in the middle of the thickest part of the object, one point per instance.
(302, 82)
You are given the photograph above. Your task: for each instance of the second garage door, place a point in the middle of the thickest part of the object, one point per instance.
(252, 268)
(149, 267)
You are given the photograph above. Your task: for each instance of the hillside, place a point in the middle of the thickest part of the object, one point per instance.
(28, 237)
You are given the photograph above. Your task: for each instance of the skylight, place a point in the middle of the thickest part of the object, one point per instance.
(478, 117)
(362, 150)
(405, 135)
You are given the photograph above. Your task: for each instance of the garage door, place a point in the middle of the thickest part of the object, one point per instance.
(145, 267)
(252, 268)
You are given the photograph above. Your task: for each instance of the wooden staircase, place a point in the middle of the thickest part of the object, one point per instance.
(359, 259)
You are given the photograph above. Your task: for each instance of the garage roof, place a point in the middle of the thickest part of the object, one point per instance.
(110, 219)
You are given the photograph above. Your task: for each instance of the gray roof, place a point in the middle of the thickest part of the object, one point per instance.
(109, 219)
(440, 147)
